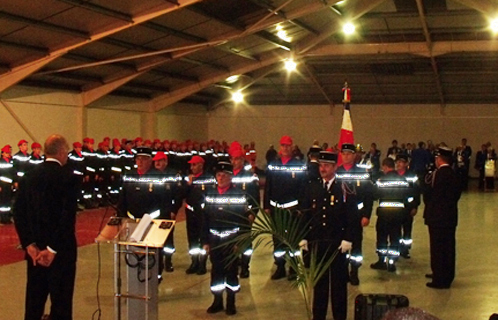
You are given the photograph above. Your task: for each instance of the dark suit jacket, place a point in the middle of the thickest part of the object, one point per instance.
(441, 199)
(45, 210)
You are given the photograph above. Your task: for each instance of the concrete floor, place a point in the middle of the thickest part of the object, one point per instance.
(474, 294)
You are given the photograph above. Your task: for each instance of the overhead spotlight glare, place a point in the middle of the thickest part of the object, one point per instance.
(279, 27)
(340, 3)
(237, 97)
(282, 34)
(348, 28)
(290, 65)
(494, 25)
(232, 79)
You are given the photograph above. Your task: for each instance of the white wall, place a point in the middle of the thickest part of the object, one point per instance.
(182, 122)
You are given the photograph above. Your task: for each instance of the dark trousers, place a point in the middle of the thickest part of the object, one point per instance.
(481, 178)
(357, 244)
(407, 226)
(56, 281)
(388, 229)
(333, 284)
(224, 270)
(194, 228)
(443, 254)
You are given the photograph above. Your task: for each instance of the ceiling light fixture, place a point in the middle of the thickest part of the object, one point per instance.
(494, 25)
(348, 28)
(290, 65)
(232, 79)
(237, 97)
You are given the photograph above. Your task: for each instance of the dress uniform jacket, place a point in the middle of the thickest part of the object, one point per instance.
(21, 163)
(329, 223)
(35, 161)
(141, 194)
(45, 215)
(283, 184)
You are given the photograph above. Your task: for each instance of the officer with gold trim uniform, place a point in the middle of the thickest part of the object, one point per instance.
(324, 207)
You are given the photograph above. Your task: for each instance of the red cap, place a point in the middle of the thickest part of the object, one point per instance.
(86, 140)
(115, 142)
(100, 145)
(21, 142)
(138, 139)
(107, 139)
(196, 159)
(286, 140)
(165, 142)
(35, 145)
(157, 141)
(236, 153)
(77, 145)
(91, 140)
(6, 148)
(160, 155)
(147, 141)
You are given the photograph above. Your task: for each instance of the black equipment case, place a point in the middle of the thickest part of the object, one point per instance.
(374, 306)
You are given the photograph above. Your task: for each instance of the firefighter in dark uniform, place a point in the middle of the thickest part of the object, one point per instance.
(244, 179)
(393, 192)
(411, 207)
(141, 193)
(172, 201)
(313, 165)
(197, 182)
(91, 173)
(225, 210)
(284, 179)
(128, 156)
(102, 183)
(21, 161)
(7, 178)
(36, 157)
(115, 170)
(323, 206)
(357, 184)
(76, 161)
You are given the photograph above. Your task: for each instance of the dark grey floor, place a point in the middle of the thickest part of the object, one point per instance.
(474, 294)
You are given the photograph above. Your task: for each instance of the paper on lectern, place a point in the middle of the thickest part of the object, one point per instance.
(137, 235)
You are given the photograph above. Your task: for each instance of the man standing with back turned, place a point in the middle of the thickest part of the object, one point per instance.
(45, 216)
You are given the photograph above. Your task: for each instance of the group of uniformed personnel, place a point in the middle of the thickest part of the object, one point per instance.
(215, 180)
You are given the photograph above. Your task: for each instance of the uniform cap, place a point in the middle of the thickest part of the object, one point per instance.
(315, 150)
(35, 145)
(123, 141)
(115, 142)
(286, 140)
(236, 153)
(160, 155)
(91, 140)
(444, 151)
(166, 142)
(138, 139)
(86, 140)
(77, 145)
(143, 151)
(196, 159)
(328, 157)
(21, 142)
(6, 148)
(402, 157)
(147, 141)
(107, 139)
(348, 147)
(224, 166)
(157, 141)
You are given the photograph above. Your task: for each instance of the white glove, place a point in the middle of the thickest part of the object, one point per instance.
(303, 244)
(345, 246)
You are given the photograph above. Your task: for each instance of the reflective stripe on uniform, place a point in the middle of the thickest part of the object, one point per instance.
(283, 205)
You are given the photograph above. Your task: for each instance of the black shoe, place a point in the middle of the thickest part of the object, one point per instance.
(292, 276)
(429, 275)
(202, 270)
(279, 273)
(436, 285)
(193, 267)
(354, 280)
(406, 254)
(168, 264)
(215, 307)
(391, 267)
(244, 273)
(379, 265)
(230, 311)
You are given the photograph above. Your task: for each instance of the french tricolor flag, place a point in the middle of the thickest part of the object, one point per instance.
(347, 124)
